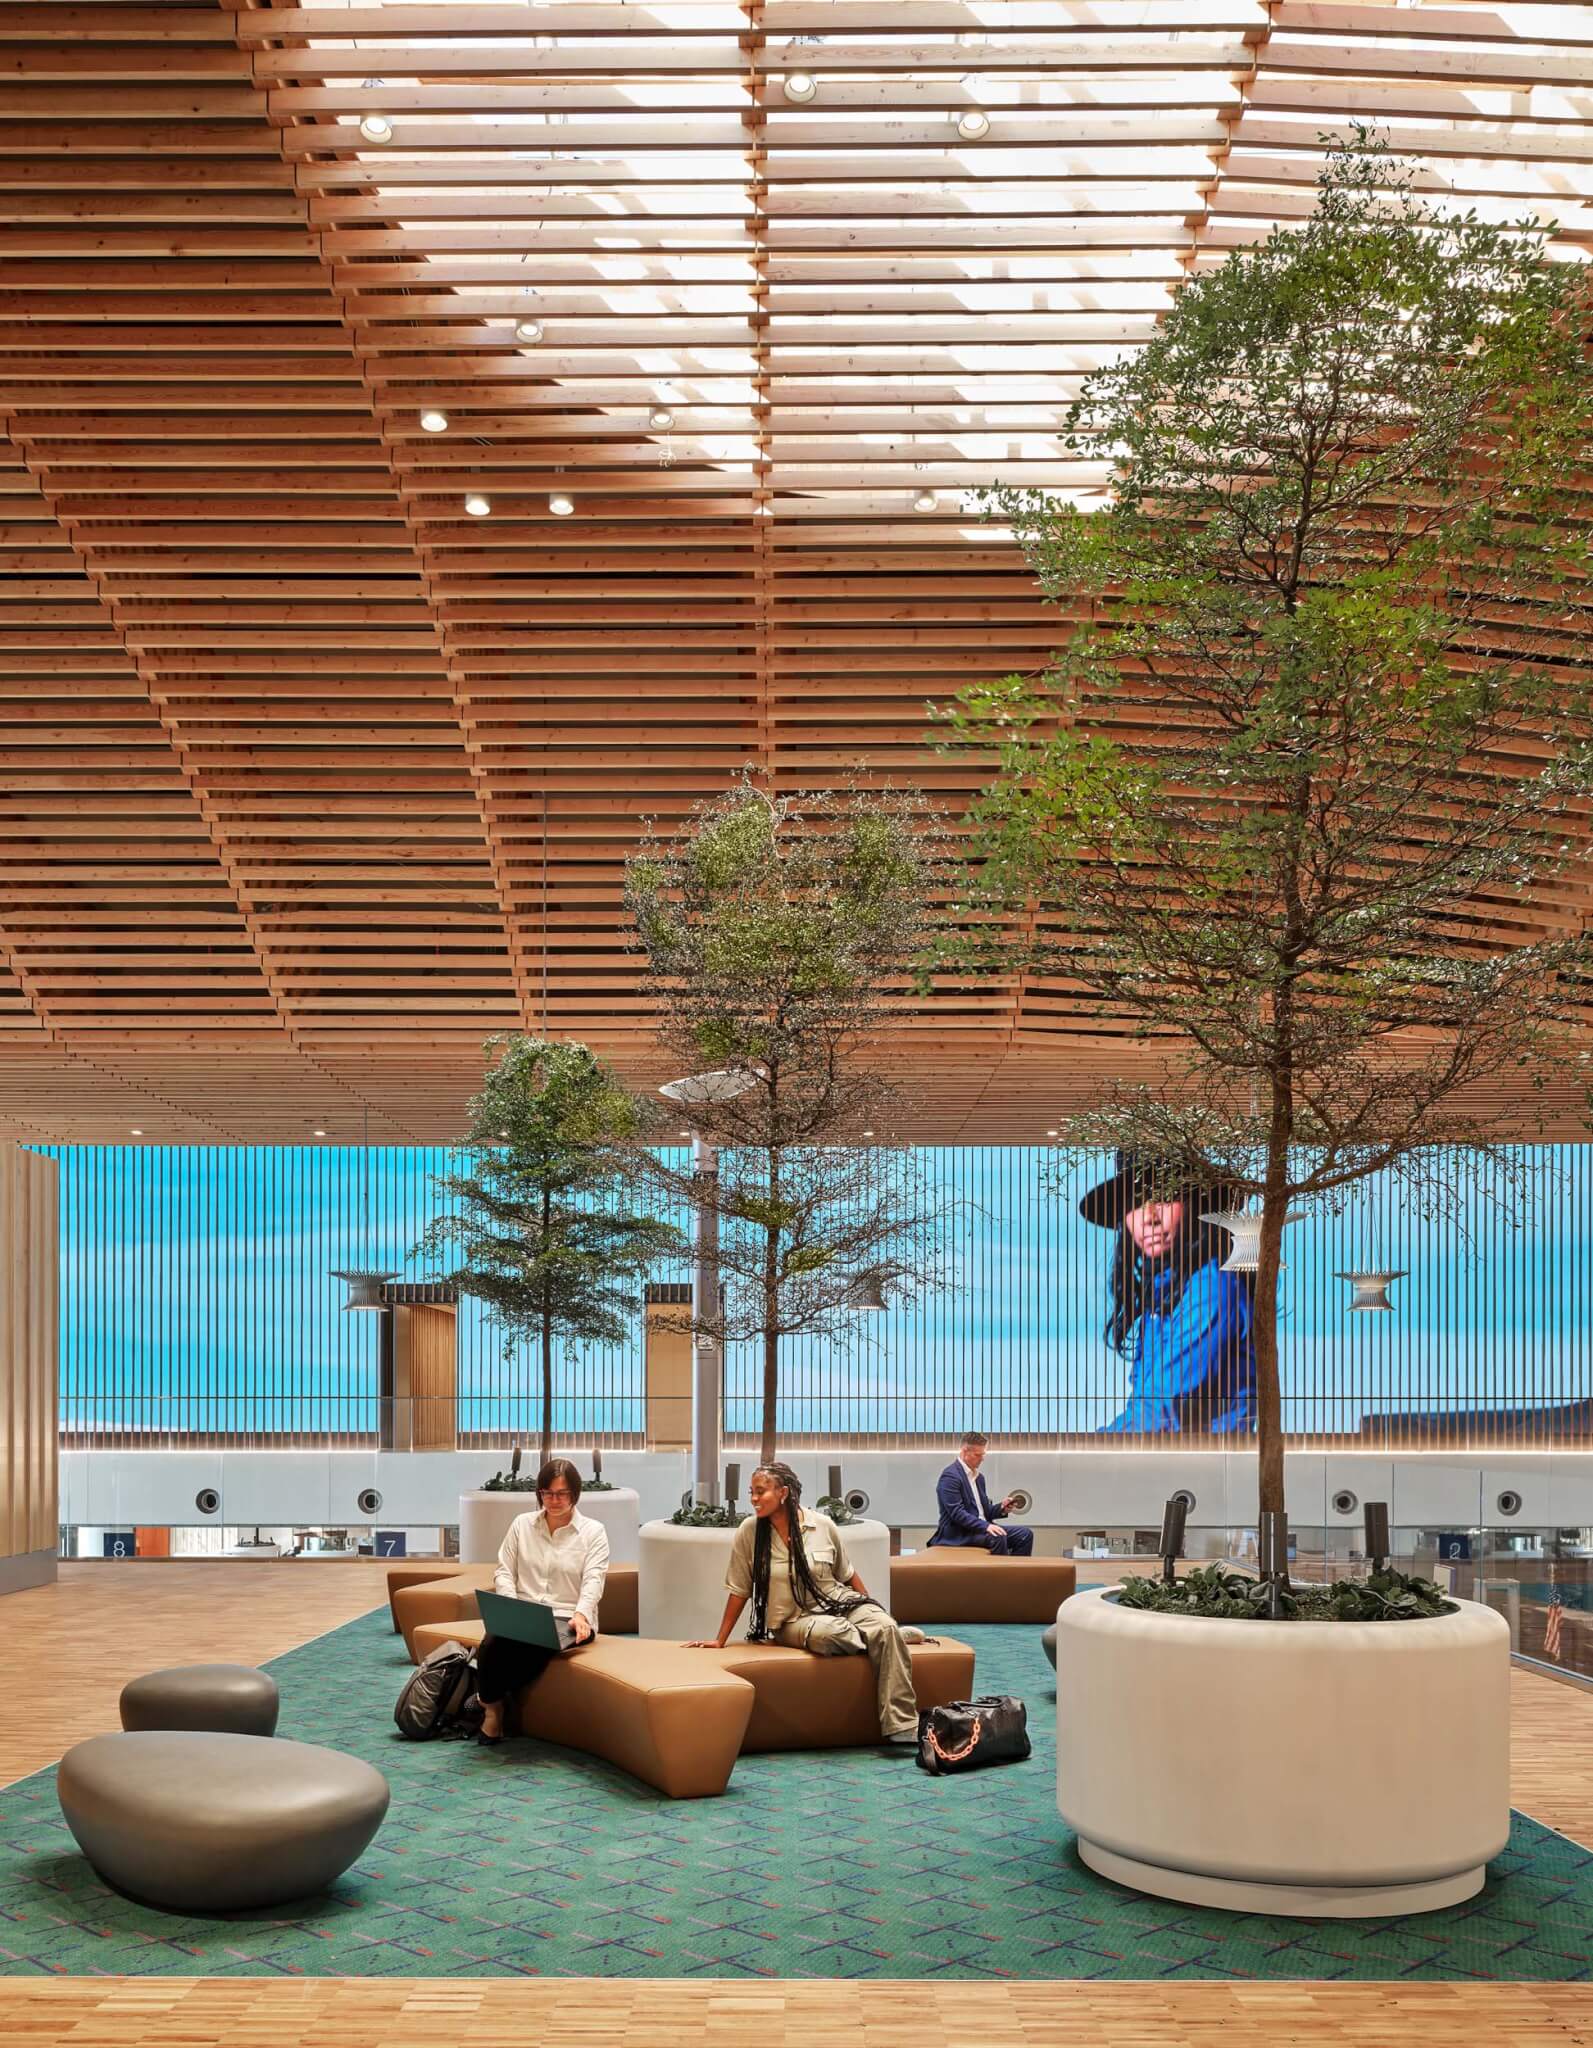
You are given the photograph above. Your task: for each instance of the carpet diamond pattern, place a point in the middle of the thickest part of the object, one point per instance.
(533, 1861)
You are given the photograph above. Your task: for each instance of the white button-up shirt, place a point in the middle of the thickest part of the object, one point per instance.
(563, 1568)
(972, 1478)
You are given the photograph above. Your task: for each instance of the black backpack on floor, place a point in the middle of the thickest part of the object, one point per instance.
(434, 1696)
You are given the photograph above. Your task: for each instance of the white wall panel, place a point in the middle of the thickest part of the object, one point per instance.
(1072, 1489)
(286, 1487)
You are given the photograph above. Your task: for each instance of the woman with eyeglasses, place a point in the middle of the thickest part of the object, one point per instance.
(555, 1555)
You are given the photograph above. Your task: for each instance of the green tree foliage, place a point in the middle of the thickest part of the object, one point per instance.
(776, 936)
(1305, 788)
(539, 1219)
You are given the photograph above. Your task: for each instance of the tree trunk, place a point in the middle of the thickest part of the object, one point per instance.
(1264, 1316)
(771, 1366)
(547, 1385)
(771, 1310)
(547, 1340)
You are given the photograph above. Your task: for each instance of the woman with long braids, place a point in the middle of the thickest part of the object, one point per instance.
(1182, 1321)
(792, 1565)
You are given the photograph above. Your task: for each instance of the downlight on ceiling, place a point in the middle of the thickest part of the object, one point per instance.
(376, 128)
(477, 506)
(973, 124)
(561, 504)
(434, 422)
(528, 330)
(925, 501)
(662, 418)
(800, 86)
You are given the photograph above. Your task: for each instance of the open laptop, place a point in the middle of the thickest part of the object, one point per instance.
(525, 1621)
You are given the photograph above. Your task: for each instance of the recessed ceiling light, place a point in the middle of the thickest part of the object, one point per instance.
(925, 501)
(528, 330)
(800, 86)
(1050, 1134)
(317, 1134)
(136, 1132)
(972, 123)
(868, 1134)
(561, 504)
(434, 422)
(661, 417)
(685, 1134)
(376, 128)
(477, 506)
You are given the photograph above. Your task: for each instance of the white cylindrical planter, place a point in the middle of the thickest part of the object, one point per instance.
(682, 1578)
(620, 1512)
(484, 1520)
(1295, 1767)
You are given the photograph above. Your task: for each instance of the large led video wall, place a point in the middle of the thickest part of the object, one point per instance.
(198, 1303)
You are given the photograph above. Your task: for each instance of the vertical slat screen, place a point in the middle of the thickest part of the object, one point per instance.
(197, 1304)
(28, 1322)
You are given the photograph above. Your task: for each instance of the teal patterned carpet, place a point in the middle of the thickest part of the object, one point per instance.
(533, 1861)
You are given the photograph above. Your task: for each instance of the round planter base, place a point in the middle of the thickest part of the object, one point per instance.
(1306, 1901)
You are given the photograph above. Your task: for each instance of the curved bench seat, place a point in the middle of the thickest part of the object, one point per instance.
(454, 1599)
(953, 1584)
(678, 1718)
(415, 1573)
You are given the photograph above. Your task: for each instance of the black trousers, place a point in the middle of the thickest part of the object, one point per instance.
(503, 1666)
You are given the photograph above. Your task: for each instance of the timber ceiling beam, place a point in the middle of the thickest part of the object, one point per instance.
(316, 778)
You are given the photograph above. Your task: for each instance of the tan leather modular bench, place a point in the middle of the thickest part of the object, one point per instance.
(948, 1584)
(454, 1599)
(399, 1576)
(678, 1718)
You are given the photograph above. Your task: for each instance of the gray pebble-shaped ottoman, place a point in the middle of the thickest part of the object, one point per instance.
(208, 1823)
(226, 1699)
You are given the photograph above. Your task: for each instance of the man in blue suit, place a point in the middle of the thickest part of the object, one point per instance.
(966, 1517)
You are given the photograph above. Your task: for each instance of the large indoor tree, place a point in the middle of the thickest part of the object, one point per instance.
(1301, 794)
(538, 1222)
(775, 935)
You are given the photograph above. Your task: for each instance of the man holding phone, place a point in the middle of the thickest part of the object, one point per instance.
(968, 1519)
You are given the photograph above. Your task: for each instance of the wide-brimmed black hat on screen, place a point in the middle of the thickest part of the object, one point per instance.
(1137, 1178)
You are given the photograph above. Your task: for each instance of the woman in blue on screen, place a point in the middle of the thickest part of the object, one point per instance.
(1176, 1315)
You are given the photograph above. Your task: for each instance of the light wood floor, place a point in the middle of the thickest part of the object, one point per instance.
(153, 2012)
(103, 1622)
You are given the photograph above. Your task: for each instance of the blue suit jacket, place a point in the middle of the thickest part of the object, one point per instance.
(958, 1522)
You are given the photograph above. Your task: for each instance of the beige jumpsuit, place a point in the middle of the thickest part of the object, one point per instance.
(868, 1631)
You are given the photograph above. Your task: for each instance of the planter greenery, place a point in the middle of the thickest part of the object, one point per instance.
(510, 1482)
(1216, 1593)
(539, 1220)
(1297, 797)
(837, 1510)
(707, 1515)
(774, 934)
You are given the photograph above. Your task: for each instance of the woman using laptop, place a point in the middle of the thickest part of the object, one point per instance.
(554, 1555)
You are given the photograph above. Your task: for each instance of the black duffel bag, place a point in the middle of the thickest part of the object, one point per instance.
(969, 1733)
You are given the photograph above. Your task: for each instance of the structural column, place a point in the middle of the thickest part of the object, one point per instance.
(708, 1358)
(29, 1422)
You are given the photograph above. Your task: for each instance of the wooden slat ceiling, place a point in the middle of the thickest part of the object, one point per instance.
(312, 779)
